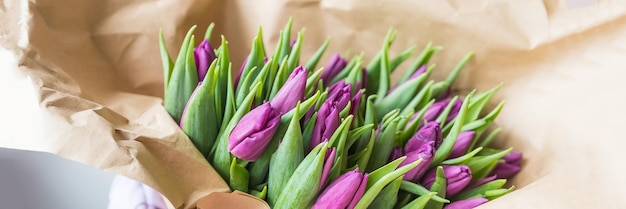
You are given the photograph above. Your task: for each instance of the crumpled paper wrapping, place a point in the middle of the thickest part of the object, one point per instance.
(83, 80)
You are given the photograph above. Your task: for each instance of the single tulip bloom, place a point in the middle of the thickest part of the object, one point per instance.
(291, 92)
(344, 192)
(482, 181)
(421, 70)
(431, 132)
(437, 108)
(466, 204)
(510, 166)
(396, 153)
(456, 108)
(329, 158)
(326, 123)
(240, 73)
(426, 152)
(341, 92)
(461, 144)
(335, 65)
(457, 176)
(415, 74)
(253, 133)
(203, 56)
(355, 102)
(328, 119)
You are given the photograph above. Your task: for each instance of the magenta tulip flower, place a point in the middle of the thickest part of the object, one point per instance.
(415, 74)
(291, 92)
(344, 192)
(203, 56)
(396, 153)
(426, 152)
(437, 108)
(329, 158)
(509, 167)
(326, 123)
(461, 145)
(466, 204)
(457, 176)
(253, 133)
(335, 65)
(431, 132)
(328, 115)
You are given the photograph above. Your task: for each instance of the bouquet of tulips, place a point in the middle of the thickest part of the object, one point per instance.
(339, 137)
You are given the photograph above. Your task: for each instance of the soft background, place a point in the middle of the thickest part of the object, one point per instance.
(87, 77)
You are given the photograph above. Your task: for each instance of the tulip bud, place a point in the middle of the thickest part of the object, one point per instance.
(335, 65)
(344, 192)
(355, 101)
(341, 93)
(326, 123)
(437, 108)
(396, 153)
(458, 176)
(418, 72)
(328, 115)
(415, 74)
(466, 204)
(329, 158)
(509, 167)
(431, 132)
(426, 152)
(291, 92)
(482, 181)
(461, 144)
(240, 73)
(203, 56)
(253, 133)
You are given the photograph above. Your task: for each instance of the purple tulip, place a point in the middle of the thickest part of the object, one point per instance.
(467, 203)
(243, 66)
(329, 158)
(426, 152)
(482, 181)
(203, 56)
(415, 74)
(456, 108)
(291, 92)
(437, 108)
(253, 133)
(344, 192)
(509, 167)
(431, 132)
(396, 153)
(335, 65)
(292, 42)
(421, 70)
(326, 123)
(355, 102)
(458, 177)
(328, 115)
(341, 92)
(461, 145)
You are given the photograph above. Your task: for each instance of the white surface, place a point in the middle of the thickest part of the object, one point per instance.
(34, 180)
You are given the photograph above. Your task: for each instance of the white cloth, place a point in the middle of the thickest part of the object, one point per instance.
(127, 193)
